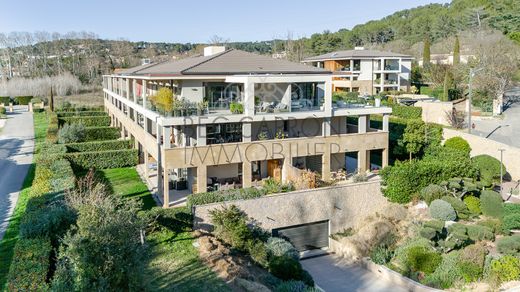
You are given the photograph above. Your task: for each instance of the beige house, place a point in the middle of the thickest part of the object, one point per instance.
(366, 71)
(237, 119)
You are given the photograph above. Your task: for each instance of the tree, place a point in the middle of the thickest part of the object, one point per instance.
(456, 52)
(426, 52)
(418, 136)
(163, 99)
(448, 84)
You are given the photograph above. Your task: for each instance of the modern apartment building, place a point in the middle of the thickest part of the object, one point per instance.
(237, 118)
(365, 71)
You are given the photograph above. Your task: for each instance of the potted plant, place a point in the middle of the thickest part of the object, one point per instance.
(176, 108)
(263, 135)
(280, 134)
(202, 107)
(236, 108)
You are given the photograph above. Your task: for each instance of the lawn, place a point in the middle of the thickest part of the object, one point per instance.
(11, 235)
(173, 263)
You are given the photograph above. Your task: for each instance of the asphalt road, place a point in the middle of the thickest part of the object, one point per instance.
(507, 129)
(16, 153)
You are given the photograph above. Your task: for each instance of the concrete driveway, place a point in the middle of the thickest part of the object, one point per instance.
(507, 129)
(16, 152)
(331, 274)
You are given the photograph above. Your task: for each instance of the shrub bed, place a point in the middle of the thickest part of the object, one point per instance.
(87, 121)
(103, 159)
(406, 112)
(30, 265)
(99, 146)
(101, 133)
(222, 196)
(81, 113)
(23, 100)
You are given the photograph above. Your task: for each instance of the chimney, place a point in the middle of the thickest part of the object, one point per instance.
(359, 48)
(212, 50)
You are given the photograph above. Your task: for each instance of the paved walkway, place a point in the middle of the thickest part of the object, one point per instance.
(16, 148)
(331, 275)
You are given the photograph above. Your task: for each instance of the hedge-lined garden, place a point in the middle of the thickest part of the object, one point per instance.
(87, 121)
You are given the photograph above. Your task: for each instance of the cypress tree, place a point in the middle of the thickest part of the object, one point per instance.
(426, 52)
(456, 52)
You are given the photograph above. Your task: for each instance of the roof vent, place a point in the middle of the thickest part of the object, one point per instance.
(359, 48)
(212, 50)
(334, 54)
(145, 61)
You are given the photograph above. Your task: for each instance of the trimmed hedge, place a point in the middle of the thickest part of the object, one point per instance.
(87, 121)
(81, 113)
(406, 112)
(53, 128)
(5, 100)
(99, 146)
(30, 265)
(103, 159)
(23, 100)
(222, 196)
(458, 143)
(489, 168)
(101, 133)
(491, 204)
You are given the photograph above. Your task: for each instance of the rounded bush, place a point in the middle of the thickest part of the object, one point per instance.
(421, 259)
(459, 206)
(442, 210)
(491, 204)
(285, 268)
(428, 233)
(473, 204)
(488, 168)
(71, 133)
(509, 245)
(506, 268)
(277, 247)
(432, 192)
(458, 143)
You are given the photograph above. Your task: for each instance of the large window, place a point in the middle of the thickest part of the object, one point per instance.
(224, 133)
(220, 95)
(357, 65)
(306, 96)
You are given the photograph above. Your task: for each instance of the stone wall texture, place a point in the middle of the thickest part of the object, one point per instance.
(344, 205)
(480, 145)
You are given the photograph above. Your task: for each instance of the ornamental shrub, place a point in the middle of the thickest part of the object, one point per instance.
(230, 226)
(442, 210)
(294, 286)
(87, 121)
(285, 268)
(459, 206)
(406, 112)
(23, 100)
(488, 168)
(471, 262)
(2, 111)
(103, 159)
(421, 259)
(71, 133)
(437, 225)
(432, 192)
(446, 274)
(479, 232)
(5, 100)
(101, 133)
(509, 245)
(99, 145)
(511, 217)
(258, 252)
(30, 265)
(428, 233)
(493, 224)
(381, 255)
(277, 247)
(491, 204)
(473, 204)
(458, 143)
(49, 222)
(223, 196)
(506, 268)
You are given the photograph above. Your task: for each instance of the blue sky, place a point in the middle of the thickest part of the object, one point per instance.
(194, 21)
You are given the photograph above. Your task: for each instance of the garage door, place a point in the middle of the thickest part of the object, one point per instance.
(306, 236)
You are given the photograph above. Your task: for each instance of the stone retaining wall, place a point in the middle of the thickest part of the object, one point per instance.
(343, 205)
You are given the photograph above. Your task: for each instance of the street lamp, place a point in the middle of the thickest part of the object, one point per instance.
(472, 73)
(501, 170)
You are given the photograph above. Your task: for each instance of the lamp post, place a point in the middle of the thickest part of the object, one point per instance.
(501, 169)
(472, 73)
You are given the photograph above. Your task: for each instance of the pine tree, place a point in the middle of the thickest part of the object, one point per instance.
(426, 52)
(456, 52)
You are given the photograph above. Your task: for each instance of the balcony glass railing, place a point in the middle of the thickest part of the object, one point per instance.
(392, 67)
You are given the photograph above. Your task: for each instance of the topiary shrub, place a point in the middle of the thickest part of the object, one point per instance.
(437, 225)
(473, 204)
(459, 206)
(506, 268)
(446, 274)
(458, 143)
(71, 133)
(488, 168)
(509, 244)
(442, 210)
(421, 259)
(478, 232)
(491, 204)
(277, 247)
(432, 192)
(471, 262)
(493, 224)
(428, 233)
(511, 217)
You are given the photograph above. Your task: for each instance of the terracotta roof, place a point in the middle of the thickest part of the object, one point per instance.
(355, 54)
(229, 62)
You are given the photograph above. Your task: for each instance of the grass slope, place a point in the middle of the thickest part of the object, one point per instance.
(12, 233)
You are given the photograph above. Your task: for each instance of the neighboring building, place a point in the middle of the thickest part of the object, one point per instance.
(366, 71)
(288, 121)
(447, 59)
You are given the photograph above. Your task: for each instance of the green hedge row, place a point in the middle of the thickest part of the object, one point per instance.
(30, 265)
(23, 100)
(81, 113)
(99, 146)
(87, 121)
(5, 100)
(52, 129)
(406, 112)
(222, 196)
(101, 133)
(103, 159)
